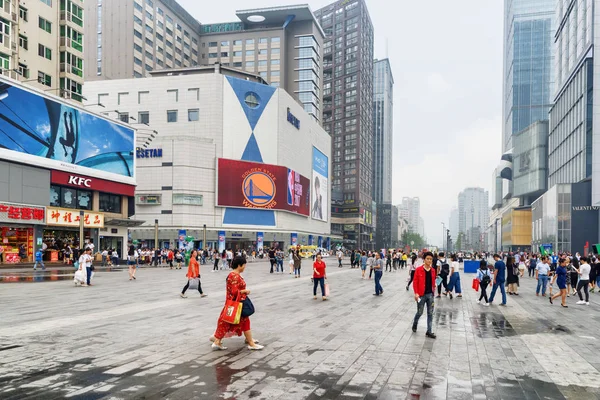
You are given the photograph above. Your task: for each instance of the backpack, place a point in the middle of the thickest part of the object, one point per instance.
(486, 279)
(445, 268)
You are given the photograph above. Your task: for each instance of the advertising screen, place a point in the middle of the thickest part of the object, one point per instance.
(320, 190)
(253, 185)
(49, 133)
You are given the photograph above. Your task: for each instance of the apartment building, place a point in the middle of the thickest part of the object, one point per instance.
(282, 44)
(41, 43)
(348, 116)
(133, 37)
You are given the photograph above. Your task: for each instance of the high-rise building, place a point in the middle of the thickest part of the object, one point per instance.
(41, 42)
(132, 37)
(410, 210)
(473, 215)
(387, 226)
(383, 131)
(528, 64)
(348, 114)
(453, 226)
(282, 44)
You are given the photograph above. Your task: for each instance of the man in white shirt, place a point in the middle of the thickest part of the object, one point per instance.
(584, 281)
(340, 256)
(541, 274)
(85, 263)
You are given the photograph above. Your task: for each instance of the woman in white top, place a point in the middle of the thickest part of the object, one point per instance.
(85, 264)
(584, 280)
(291, 262)
(454, 277)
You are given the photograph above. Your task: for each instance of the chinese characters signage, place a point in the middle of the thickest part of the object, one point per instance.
(20, 213)
(66, 217)
(254, 185)
(226, 27)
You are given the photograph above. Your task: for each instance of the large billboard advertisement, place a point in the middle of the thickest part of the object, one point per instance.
(254, 185)
(38, 130)
(320, 181)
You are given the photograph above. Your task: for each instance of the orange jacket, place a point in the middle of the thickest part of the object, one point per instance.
(193, 269)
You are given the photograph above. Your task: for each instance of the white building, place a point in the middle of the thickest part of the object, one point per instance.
(231, 158)
(410, 210)
(473, 214)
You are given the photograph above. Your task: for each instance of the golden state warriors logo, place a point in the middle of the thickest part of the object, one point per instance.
(259, 188)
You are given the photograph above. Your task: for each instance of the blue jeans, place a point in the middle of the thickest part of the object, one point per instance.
(378, 288)
(502, 290)
(279, 265)
(426, 299)
(455, 283)
(41, 263)
(542, 283)
(321, 282)
(89, 275)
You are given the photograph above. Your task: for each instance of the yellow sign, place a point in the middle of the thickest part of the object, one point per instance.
(68, 217)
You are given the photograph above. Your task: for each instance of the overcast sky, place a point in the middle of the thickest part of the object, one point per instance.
(446, 58)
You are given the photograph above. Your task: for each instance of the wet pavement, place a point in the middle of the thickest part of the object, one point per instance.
(122, 339)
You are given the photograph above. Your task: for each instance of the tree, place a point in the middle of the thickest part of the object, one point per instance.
(415, 238)
(460, 241)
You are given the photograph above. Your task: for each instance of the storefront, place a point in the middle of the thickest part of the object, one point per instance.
(20, 224)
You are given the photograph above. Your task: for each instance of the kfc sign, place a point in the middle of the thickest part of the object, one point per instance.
(85, 182)
(19, 213)
(79, 181)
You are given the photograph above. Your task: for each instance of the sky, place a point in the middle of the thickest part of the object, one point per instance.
(446, 59)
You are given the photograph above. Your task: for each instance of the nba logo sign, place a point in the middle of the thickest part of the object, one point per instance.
(290, 187)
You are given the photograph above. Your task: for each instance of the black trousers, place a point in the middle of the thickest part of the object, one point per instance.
(187, 285)
(412, 276)
(583, 284)
(444, 284)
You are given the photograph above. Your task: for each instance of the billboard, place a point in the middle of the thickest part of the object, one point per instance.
(320, 193)
(246, 184)
(38, 130)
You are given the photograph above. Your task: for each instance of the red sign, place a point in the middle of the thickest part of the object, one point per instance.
(22, 213)
(253, 185)
(85, 182)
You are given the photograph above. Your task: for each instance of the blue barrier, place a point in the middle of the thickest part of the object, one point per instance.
(471, 267)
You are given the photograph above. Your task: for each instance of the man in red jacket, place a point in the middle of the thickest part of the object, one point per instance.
(424, 287)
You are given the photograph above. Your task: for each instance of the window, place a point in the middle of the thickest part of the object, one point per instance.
(23, 14)
(124, 117)
(249, 42)
(44, 78)
(275, 51)
(149, 42)
(137, 34)
(213, 55)
(159, 11)
(137, 6)
(144, 117)
(262, 63)
(23, 42)
(148, 67)
(137, 61)
(237, 53)
(274, 62)
(149, 29)
(263, 40)
(212, 44)
(172, 116)
(24, 71)
(224, 54)
(137, 20)
(149, 16)
(237, 42)
(252, 100)
(237, 64)
(275, 40)
(45, 52)
(263, 52)
(193, 115)
(137, 47)
(250, 64)
(47, 2)
(45, 25)
(149, 55)
(70, 198)
(225, 43)
(249, 53)
(110, 203)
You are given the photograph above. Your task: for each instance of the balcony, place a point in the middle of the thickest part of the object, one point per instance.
(67, 16)
(68, 68)
(68, 42)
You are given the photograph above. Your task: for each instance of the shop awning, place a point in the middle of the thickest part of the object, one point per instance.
(129, 223)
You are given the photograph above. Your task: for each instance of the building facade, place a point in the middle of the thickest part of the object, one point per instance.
(348, 116)
(383, 131)
(42, 44)
(387, 226)
(410, 210)
(530, 162)
(528, 80)
(132, 37)
(61, 167)
(235, 163)
(473, 215)
(284, 45)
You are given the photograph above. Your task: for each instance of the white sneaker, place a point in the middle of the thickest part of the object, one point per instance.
(486, 305)
(587, 303)
(580, 302)
(478, 301)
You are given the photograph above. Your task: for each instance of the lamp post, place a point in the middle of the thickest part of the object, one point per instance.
(204, 236)
(156, 233)
(443, 233)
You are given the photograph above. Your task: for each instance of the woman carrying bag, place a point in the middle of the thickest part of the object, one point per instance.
(237, 305)
(319, 276)
(193, 276)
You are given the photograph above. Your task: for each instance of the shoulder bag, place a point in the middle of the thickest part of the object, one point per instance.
(247, 307)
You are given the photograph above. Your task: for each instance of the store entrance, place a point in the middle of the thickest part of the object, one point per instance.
(17, 244)
(111, 242)
(58, 240)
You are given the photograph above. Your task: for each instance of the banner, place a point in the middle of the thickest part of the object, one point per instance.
(182, 235)
(294, 239)
(47, 132)
(68, 217)
(328, 243)
(320, 192)
(260, 239)
(221, 241)
(320, 241)
(310, 240)
(245, 184)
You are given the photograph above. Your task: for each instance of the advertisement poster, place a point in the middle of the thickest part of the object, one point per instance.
(260, 238)
(245, 184)
(311, 240)
(294, 239)
(36, 127)
(320, 190)
(320, 242)
(221, 241)
(181, 239)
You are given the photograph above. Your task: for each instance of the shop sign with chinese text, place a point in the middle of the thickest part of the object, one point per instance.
(68, 217)
(22, 214)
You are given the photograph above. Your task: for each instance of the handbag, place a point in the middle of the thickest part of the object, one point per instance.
(232, 312)
(193, 283)
(438, 281)
(476, 284)
(247, 308)
(327, 289)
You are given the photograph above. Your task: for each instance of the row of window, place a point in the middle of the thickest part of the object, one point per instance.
(249, 53)
(66, 197)
(172, 116)
(226, 43)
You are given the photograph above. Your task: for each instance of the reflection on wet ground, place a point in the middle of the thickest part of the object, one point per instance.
(48, 274)
(495, 325)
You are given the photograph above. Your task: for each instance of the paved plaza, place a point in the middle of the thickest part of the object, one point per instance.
(122, 340)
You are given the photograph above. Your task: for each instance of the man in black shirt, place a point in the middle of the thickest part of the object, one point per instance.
(272, 259)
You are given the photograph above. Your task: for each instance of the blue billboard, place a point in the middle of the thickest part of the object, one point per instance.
(36, 126)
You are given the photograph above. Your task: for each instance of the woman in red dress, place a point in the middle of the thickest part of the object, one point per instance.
(235, 285)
